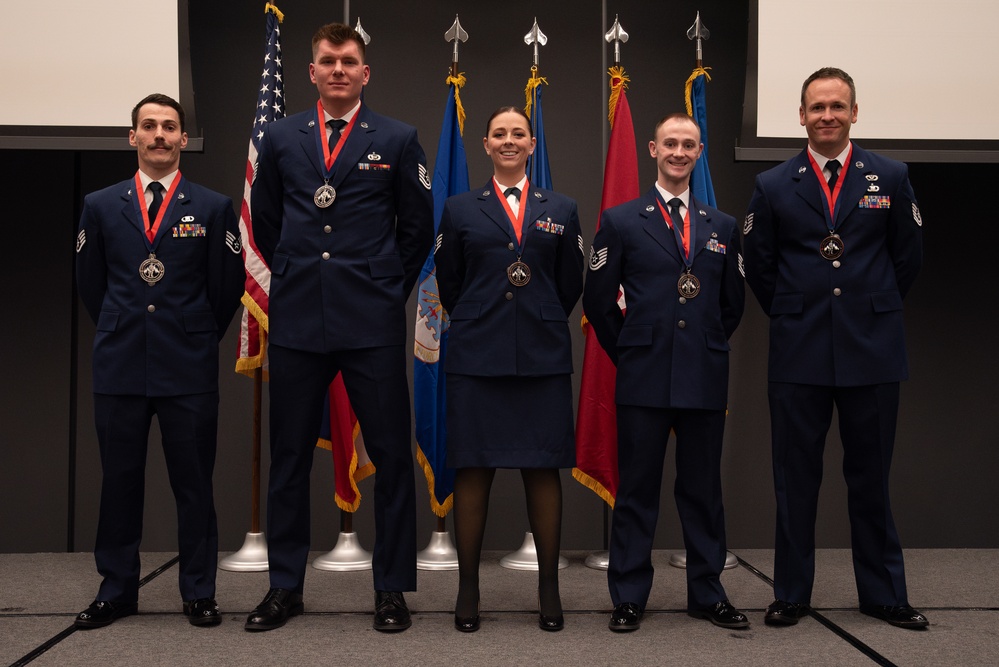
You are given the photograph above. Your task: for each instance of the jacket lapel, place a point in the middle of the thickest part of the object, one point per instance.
(656, 227)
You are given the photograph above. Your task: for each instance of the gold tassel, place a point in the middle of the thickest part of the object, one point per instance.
(618, 82)
(532, 83)
(698, 71)
(277, 12)
(458, 82)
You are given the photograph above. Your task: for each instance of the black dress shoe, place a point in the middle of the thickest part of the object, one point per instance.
(466, 623)
(723, 614)
(104, 612)
(551, 623)
(902, 616)
(204, 611)
(625, 617)
(274, 611)
(784, 613)
(391, 612)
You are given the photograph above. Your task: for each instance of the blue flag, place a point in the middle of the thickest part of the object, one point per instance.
(538, 172)
(700, 179)
(450, 178)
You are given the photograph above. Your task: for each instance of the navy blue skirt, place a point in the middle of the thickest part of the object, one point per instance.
(510, 422)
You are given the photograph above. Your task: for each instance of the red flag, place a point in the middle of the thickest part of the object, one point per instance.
(351, 463)
(596, 424)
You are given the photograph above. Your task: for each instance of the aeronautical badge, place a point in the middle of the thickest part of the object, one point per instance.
(438, 242)
(747, 226)
(597, 258)
(374, 157)
(81, 239)
(915, 215)
(234, 242)
(424, 177)
(872, 177)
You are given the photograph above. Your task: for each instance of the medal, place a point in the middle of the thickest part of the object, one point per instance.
(519, 273)
(152, 270)
(324, 196)
(832, 247)
(688, 286)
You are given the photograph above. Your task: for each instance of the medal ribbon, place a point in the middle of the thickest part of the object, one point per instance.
(151, 230)
(516, 220)
(329, 159)
(682, 242)
(831, 197)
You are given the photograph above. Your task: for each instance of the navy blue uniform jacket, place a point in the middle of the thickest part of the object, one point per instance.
(834, 323)
(496, 328)
(159, 340)
(670, 352)
(341, 275)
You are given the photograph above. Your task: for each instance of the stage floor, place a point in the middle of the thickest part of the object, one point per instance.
(956, 588)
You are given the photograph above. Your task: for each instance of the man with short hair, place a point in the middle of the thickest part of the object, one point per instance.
(679, 264)
(833, 244)
(342, 214)
(160, 271)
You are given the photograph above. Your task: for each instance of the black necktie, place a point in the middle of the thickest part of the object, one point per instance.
(335, 126)
(512, 191)
(674, 213)
(833, 167)
(157, 189)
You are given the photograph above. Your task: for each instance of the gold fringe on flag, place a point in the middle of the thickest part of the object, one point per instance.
(698, 71)
(532, 83)
(441, 510)
(277, 12)
(618, 82)
(458, 82)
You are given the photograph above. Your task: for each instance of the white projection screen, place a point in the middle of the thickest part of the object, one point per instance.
(927, 75)
(76, 69)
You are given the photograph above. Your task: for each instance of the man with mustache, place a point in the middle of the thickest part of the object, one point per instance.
(160, 271)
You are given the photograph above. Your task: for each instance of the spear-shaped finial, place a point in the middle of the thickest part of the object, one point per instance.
(698, 32)
(360, 31)
(536, 38)
(455, 34)
(617, 36)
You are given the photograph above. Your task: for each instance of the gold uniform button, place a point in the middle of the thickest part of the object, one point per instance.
(509, 295)
(327, 229)
(836, 264)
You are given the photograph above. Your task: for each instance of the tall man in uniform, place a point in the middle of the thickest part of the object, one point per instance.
(833, 244)
(160, 271)
(678, 262)
(343, 215)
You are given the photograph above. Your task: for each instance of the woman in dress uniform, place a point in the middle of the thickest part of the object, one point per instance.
(509, 270)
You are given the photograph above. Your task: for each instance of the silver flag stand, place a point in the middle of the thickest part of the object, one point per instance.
(679, 560)
(251, 557)
(598, 560)
(347, 555)
(526, 557)
(440, 554)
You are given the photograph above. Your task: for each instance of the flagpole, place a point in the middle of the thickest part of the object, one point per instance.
(526, 557)
(440, 553)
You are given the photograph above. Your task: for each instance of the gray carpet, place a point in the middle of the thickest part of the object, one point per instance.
(956, 588)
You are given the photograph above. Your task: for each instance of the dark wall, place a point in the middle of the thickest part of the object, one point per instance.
(946, 454)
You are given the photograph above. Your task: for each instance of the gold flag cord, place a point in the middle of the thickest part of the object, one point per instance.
(618, 83)
(698, 71)
(458, 82)
(532, 84)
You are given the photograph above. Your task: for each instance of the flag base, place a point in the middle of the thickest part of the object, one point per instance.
(679, 560)
(251, 557)
(526, 558)
(346, 556)
(598, 560)
(439, 555)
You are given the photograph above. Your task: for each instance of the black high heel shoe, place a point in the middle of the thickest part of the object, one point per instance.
(467, 623)
(549, 623)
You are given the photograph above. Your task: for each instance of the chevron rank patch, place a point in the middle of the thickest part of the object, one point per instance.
(234, 242)
(597, 258)
(747, 226)
(81, 239)
(915, 215)
(424, 177)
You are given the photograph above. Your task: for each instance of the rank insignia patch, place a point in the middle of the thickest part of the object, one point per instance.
(597, 258)
(234, 242)
(747, 226)
(424, 177)
(81, 239)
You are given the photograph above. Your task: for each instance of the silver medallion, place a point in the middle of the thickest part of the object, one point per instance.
(325, 196)
(519, 273)
(152, 270)
(832, 247)
(688, 286)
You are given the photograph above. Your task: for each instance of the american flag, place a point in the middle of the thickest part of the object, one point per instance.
(270, 107)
